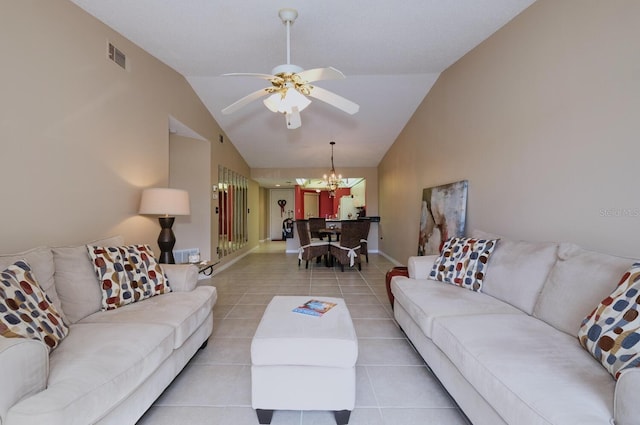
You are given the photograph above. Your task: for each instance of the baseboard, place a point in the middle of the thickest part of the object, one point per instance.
(393, 260)
(235, 260)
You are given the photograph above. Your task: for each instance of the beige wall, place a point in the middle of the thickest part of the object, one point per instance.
(542, 119)
(80, 136)
(190, 170)
(263, 202)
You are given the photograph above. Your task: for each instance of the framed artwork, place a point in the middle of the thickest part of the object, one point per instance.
(442, 215)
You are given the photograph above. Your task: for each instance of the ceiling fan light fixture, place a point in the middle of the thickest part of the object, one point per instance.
(285, 104)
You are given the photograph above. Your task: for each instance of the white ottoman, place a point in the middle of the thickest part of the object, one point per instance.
(302, 362)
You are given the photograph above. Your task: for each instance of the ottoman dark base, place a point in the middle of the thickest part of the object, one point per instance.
(265, 416)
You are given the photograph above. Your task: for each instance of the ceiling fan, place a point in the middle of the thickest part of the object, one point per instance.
(290, 85)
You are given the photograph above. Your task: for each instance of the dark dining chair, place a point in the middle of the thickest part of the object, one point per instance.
(364, 226)
(315, 225)
(347, 250)
(308, 249)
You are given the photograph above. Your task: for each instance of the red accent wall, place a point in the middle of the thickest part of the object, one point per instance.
(299, 203)
(327, 207)
(325, 204)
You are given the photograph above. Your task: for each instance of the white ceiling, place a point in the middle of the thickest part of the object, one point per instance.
(391, 52)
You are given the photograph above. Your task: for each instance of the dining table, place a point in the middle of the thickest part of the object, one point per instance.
(329, 232)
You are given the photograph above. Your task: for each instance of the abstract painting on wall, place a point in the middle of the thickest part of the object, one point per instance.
(442, 215)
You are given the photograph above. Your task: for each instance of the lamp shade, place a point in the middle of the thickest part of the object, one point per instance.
(164, 201)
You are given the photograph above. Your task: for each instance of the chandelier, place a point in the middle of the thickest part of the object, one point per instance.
(332, 180)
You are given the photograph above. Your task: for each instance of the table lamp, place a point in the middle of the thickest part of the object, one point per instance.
(166, 203)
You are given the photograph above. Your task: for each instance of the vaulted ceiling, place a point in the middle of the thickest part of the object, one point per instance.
(391, 52)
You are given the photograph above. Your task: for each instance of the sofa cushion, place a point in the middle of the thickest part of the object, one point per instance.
(611, 332)
(463, 262)
(25, 310)
(518, 270)
(529, 372)
(127, 274)
(426, 300)
(96, 367)
(183, 311)
(579, 280)
(40, 260)
(76, 280)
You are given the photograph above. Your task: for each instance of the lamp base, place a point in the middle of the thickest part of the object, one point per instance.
(166, 240)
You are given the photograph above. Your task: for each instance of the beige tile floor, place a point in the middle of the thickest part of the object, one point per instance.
(394, 387)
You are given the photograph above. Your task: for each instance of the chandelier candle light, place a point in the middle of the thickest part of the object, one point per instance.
(333, 180)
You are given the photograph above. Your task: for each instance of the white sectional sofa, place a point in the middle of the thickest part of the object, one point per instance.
(510, 354)
(113, 364)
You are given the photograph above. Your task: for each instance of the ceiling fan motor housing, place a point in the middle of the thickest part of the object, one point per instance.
(286, 68)
(288, 15)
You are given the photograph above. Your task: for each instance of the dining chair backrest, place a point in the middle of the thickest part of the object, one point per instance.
(364, 226)
(303, 232)
(316, 224)
(350, 235)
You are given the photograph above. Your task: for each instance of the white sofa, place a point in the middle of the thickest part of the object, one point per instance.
(510, 355)
(113, 364)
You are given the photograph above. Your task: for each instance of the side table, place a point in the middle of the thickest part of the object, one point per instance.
(206, 267)
(396, 271)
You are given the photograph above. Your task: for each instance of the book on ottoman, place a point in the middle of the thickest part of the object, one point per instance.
(314, 307)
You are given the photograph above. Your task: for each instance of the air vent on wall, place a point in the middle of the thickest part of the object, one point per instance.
(117, 56)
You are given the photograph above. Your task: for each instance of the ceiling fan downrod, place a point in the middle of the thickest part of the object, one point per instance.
(288, 17)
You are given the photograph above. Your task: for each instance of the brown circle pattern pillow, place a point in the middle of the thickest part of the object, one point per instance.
(127, 274)
(611, 332)
(25, 310)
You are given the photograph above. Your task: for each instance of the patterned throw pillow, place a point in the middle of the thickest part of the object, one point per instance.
(611, 333)
(463, 262)
(25, 310)
(127, 274)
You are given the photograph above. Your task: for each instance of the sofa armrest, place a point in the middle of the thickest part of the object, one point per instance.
(626, 403)
(420, 267)
(182, 277)
(24, 367)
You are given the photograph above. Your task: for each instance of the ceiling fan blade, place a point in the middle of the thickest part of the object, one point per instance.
(318, 74)
(245, 100)
(250, 74)
(293, 119)
(334, 100)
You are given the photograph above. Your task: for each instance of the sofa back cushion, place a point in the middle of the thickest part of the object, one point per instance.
(40, 260)
(76, 279)
(577, 283)
(517, 270)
